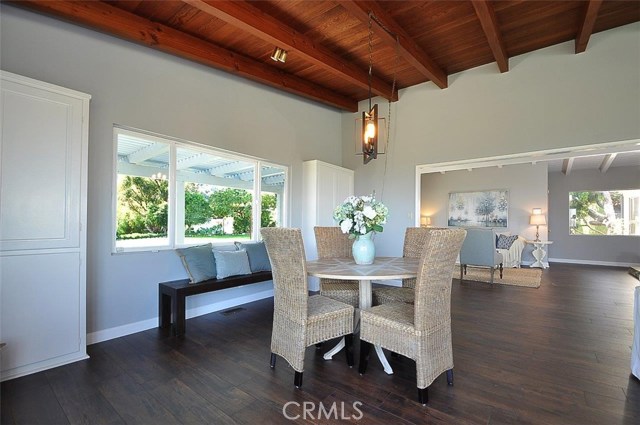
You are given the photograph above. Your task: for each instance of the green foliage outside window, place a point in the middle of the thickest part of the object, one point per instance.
(144, 209)
(604, 212)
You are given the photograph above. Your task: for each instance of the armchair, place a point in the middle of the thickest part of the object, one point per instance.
(479, 249)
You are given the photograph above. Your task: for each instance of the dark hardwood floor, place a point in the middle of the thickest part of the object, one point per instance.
(559, 354)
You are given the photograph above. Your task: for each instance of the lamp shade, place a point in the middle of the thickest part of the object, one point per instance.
(537, 220)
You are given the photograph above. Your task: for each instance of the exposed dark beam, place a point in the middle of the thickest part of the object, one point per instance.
(114, 21)
(586, 25)
(489, 24)
(408, 48)
(250, 19)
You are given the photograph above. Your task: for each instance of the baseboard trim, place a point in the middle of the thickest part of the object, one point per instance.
(591, 262)
(131, 328)
(17, 372)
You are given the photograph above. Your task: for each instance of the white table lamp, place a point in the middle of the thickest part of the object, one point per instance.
(537, 220)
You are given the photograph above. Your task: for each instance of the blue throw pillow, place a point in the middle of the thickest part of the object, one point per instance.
(258, 257)
(231, 263)
(505, 242)
(199, 262)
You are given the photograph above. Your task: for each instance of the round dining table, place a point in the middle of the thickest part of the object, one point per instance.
(383, 268)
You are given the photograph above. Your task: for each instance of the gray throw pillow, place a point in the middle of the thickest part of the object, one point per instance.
(199, 262)
(257, 253)
(231, 263)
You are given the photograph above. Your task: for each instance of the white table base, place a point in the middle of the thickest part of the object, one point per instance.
(366, 300)
(539, 253)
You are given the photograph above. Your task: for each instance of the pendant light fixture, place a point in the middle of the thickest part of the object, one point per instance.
(370, 135)
(370, 118)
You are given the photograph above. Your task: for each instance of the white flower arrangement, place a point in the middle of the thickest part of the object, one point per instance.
(359, 215)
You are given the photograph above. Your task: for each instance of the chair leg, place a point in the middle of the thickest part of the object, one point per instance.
(273, 360)
(461, 268)
(493, 270)
(348, 345)
(500, 270)
(450, 376)
(423, 396)
(365, 348)
(297, 379)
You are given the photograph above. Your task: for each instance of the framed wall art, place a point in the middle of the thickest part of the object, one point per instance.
(489, 208)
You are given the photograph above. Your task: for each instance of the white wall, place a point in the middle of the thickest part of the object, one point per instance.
(551, 98)
(611, 250)
(526, 183)
(135, 86)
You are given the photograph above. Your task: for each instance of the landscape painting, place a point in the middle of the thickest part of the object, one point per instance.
(488, 208)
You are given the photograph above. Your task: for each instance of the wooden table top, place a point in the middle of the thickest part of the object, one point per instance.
(383, 268)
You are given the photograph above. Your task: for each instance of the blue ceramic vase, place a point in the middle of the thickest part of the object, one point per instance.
(364, 251)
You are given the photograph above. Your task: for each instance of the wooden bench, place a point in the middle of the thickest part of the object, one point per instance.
(172, 295)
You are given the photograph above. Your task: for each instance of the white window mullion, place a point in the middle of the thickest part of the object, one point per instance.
(172, 196)
(257, 201)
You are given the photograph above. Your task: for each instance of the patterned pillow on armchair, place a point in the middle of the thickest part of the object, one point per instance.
(505, 242)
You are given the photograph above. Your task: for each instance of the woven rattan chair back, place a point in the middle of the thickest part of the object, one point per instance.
(433, 284)
(331, 242)
(414, 242)
(289, 270)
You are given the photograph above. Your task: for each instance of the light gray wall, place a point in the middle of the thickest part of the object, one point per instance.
(135, 86)
(551, 98)
(598, 249)
(526, 183)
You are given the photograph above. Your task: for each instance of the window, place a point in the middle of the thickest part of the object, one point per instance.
(172, 193)
(604, 213)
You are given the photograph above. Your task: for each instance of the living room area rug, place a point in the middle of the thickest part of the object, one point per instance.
(526, 277)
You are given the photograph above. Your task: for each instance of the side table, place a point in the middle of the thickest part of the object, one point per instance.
(539, 252)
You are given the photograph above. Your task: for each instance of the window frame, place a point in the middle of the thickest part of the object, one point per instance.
(175, 143)
(623, 207)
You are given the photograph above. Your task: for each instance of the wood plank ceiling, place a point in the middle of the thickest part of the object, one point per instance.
(327, 41)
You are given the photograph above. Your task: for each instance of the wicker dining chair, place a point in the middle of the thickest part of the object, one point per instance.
(332, 243)
(300, 320)
(414, 241)
(420, 331)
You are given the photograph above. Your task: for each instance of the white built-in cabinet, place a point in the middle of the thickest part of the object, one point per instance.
(43, 208)
(325, 187)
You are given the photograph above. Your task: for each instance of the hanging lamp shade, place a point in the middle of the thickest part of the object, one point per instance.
(370, 134)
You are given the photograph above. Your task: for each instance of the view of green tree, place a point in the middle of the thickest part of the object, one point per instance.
(268, 208)
(595, 211)
(196, 206)
(235, 203)
(145, 208)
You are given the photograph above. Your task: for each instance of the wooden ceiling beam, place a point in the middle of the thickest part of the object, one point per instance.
(587, 24)
(252, 20)
(114, 21)
(489, 24)
(408, 49)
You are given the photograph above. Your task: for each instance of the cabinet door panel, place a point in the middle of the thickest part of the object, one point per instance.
(40, 154)
(40, 308)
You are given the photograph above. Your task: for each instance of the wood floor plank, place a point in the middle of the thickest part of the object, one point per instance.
(558, 354)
